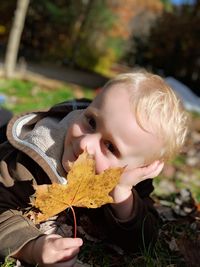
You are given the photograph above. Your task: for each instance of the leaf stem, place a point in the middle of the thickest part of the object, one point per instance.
(75, 224)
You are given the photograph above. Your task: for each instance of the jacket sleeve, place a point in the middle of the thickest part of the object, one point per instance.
(141, 229)
(15, 189)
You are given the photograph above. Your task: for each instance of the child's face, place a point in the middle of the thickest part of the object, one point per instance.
(108, 130)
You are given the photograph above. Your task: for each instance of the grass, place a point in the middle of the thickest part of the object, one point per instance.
(9, 262)
(23, 96)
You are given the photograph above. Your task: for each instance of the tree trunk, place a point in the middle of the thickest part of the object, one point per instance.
(14, 37)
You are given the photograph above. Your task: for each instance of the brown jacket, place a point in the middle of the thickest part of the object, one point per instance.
(22, 163)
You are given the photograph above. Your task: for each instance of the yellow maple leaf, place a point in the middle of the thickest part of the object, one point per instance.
(84, 189)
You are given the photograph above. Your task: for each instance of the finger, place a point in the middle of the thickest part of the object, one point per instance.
(157, 170)
(66, 256)
(66, 243)
(151, 167)
(153, 170)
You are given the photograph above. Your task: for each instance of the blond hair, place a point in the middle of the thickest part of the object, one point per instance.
(155, 103)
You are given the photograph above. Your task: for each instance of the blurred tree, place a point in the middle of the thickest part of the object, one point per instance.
(49, 29)
(173, 45)
(94, 35)
(146, 13)
(73, 32)
(126, 21)
(86, 33)
(14, 37)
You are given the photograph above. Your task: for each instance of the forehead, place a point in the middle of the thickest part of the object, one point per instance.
(117, 94)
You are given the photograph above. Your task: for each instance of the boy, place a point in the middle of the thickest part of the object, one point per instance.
(136, 121)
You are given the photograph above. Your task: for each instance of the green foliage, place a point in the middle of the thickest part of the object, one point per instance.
(56, 13)
(167, 4)
(100, 16)
(105, 62)
(116, 44)
(179, 160)
(94, 41)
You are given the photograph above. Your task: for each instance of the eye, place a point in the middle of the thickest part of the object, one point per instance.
(110, 147)
(91, 122)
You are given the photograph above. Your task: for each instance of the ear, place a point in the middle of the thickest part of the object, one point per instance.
(154, 169)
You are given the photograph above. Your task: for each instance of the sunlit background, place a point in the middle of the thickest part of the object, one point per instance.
(106, 37)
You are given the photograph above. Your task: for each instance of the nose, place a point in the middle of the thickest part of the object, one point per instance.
(90, 143)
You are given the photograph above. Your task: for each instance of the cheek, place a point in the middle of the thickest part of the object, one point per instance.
(68, 136)
(66, 153)
(67, 149)
(74, 131)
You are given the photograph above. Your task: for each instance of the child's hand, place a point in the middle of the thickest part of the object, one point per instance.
(51, 250)
(122, 193)
(134, 176)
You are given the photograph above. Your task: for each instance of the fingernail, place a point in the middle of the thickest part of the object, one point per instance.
(80, 242)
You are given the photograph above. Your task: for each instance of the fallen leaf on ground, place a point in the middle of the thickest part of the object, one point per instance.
(84, 189)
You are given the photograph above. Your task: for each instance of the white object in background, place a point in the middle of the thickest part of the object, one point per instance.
(190, 100)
